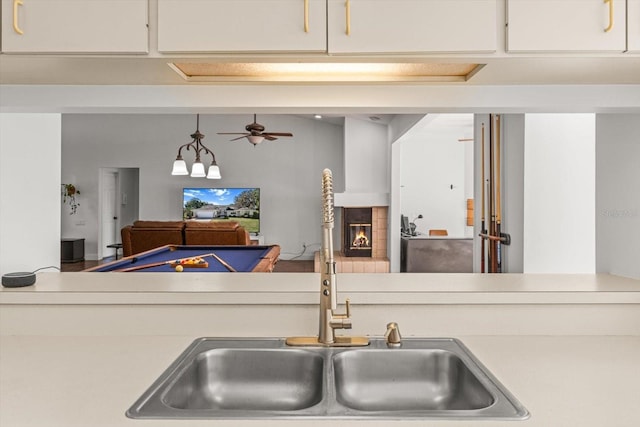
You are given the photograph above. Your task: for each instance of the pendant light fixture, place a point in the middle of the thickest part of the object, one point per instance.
(197, 169)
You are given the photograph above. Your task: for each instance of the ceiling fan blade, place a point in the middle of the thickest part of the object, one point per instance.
(268, 137)
(240, 137)
(232, 133)
(278, 133)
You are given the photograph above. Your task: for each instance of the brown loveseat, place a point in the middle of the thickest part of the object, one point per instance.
(145, 235)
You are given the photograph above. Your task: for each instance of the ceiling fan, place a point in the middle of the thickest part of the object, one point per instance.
(255, 133)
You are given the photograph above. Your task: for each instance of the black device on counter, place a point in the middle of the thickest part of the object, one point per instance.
(18, 279)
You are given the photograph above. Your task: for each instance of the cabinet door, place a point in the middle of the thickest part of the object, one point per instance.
(566, 26)
(633, 25)
(242, 25)
(411, 26)
(74, 26)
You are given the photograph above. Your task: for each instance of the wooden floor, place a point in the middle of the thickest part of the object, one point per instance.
(282, 266)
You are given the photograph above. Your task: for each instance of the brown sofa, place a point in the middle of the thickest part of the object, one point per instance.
(145, 235)
(215, 233)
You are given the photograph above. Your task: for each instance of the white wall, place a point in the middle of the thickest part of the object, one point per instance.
(618, 194)
(559, 193)
(366, 157)
(398, 127)
(323, 98)
(513, 191)
(30, 191)
(288, 171)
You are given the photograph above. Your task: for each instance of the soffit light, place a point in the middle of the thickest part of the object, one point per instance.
(325, 72)
(197, 169)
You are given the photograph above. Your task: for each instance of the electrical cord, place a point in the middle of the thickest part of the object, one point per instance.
(298, 255)
(44, 268)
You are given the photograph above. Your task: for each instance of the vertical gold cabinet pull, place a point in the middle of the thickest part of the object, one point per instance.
(610, 27)
(348, 16)
(306, 16)
(16, 28)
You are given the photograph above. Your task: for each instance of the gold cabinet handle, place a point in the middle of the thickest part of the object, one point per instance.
(306, 16)
(348, 17)
(16, 28)
(610, 27)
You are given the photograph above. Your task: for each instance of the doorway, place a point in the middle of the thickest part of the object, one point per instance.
(118, 206)
(434, 176)
(109, 211)
(436, 180)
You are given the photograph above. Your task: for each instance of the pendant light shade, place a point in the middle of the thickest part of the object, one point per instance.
(179, 167)
(197, 170)
(214, 172)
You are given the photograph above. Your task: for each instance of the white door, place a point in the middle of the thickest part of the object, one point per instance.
(75, 26)
(242, 26)
(566, 26)
(411, 26)
(109, 226)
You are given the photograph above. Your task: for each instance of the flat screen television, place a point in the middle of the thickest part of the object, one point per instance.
(223, 204)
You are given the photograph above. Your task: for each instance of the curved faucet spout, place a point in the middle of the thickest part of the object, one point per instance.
(329, 320)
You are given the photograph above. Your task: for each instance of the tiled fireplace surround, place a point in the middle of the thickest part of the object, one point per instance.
(378, 262)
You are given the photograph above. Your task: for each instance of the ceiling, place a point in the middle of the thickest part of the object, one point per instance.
(441, 125)
(499, 70)
(338, 119)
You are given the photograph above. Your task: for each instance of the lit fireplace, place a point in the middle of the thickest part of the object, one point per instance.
(360, 236)
(362, 247)
(357, 232)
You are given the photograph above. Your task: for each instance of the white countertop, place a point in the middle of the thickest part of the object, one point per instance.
(91, 381)
(77, 349)
(302, 288)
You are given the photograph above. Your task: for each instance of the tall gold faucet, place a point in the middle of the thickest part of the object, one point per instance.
(329, 319)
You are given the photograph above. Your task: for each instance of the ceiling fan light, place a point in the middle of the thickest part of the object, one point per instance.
(179, 167)
(255, 139)
(214, 172)
(197, 170)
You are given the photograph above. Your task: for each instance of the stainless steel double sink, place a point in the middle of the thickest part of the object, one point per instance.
(263, 378)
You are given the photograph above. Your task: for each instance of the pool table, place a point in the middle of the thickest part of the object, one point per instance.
(239, 258)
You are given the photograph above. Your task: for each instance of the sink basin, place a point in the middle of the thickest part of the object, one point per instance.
(248, 379)
(217, 378)
(412, 380)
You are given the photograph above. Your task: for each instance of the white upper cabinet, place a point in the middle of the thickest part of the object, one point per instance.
(411, 26)
(566, 25)
(633, 25)
(75, 26)
(242, 26)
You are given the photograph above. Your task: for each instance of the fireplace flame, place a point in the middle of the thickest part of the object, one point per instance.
(361, 240)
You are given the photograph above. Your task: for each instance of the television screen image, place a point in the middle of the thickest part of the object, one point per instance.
(241, 205)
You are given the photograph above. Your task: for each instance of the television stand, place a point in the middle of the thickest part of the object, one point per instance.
(256, 239)
(71, 250)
